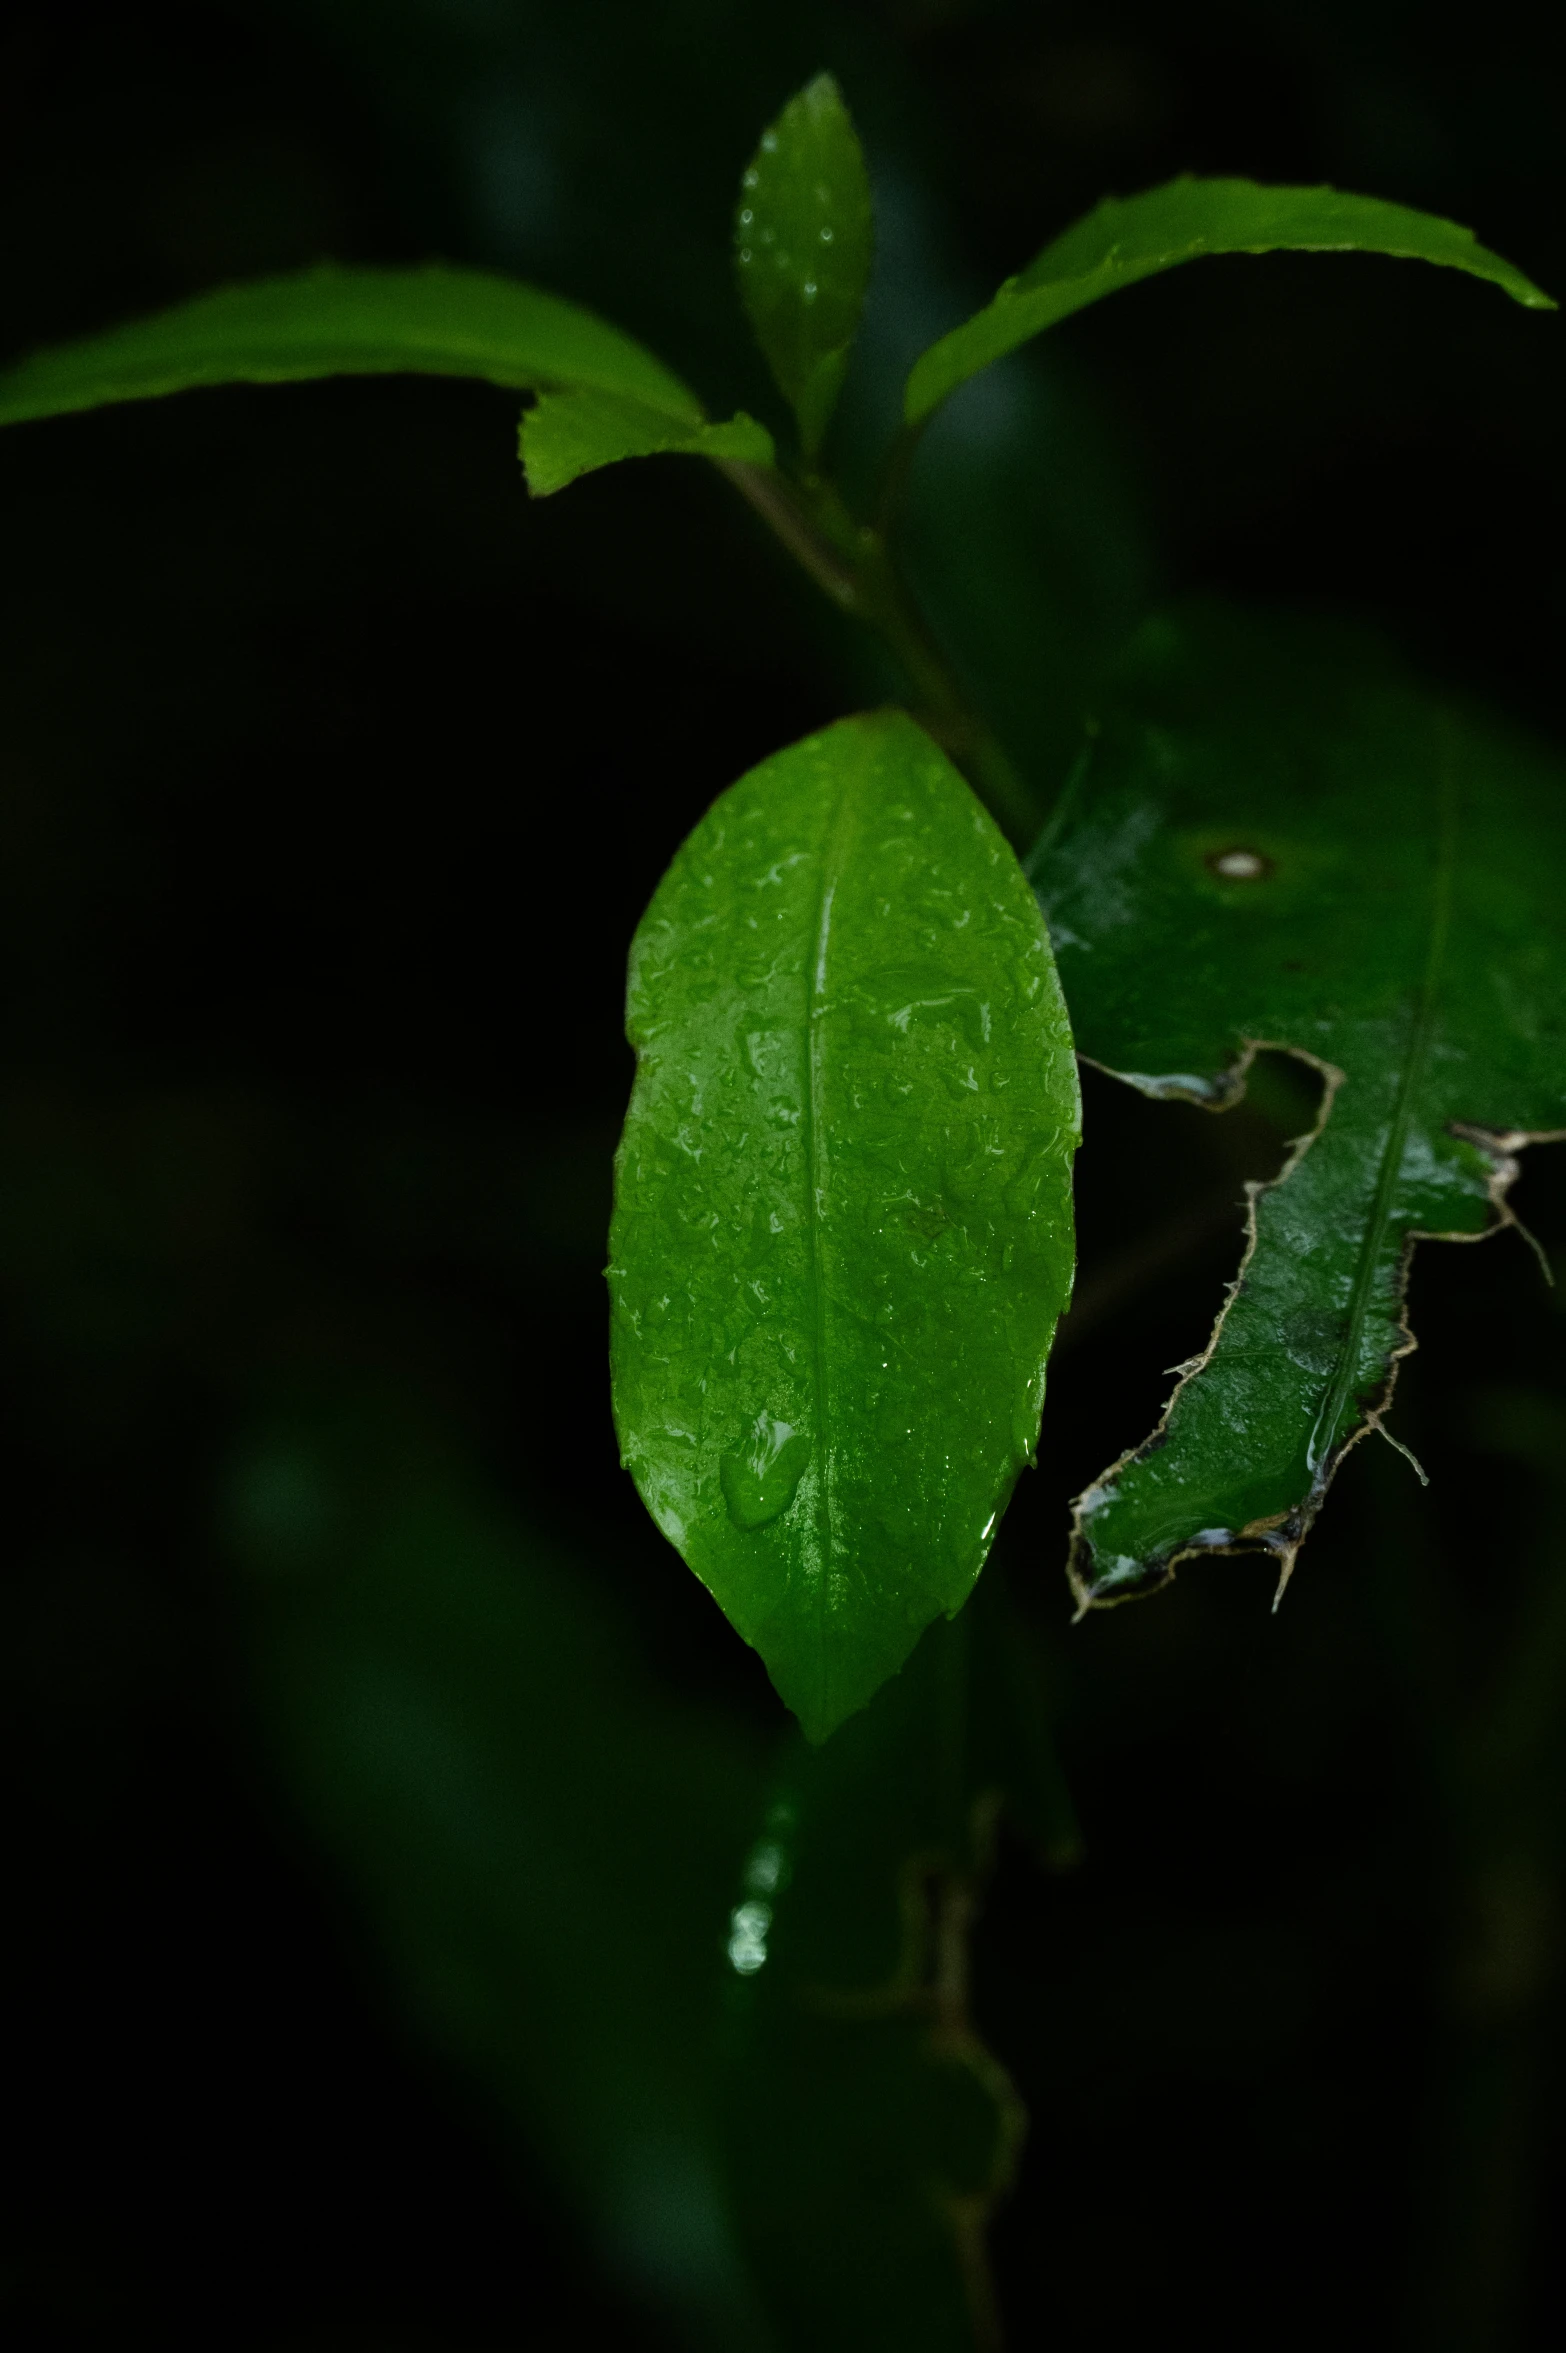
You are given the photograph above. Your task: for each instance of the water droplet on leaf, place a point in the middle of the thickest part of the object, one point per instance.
(1239, 865)
(759, 1479)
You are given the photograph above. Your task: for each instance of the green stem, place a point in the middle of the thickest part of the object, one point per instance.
(851, 563)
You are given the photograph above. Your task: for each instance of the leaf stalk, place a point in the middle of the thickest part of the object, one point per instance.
(852, 564)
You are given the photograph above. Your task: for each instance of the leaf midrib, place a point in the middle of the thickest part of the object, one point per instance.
(1318, 1455)
(833, 859)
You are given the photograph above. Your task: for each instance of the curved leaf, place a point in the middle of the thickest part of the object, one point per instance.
(803, 245)
(348, 322)
(842, 1230)
(1278, 840)
(1122, 241)
(568, 434)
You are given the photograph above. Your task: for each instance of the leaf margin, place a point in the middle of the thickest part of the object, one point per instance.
(1019, 310)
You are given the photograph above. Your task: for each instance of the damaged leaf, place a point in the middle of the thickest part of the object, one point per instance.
(842, 1230)
(1275, 839)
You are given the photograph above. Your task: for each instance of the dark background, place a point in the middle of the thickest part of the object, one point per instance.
(335, 777)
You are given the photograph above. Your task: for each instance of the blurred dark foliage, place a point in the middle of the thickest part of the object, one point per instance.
(334, 779)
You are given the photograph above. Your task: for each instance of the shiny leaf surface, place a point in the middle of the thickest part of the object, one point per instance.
(1124, 240)
(349, 322)
(803, 239)
(567, 434)
(842, 1232)
(1276, 839)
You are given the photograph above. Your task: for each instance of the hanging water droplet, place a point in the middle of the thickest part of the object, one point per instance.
(1241, 865)
(760, 1477)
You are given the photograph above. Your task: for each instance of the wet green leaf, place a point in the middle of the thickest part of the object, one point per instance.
(803, 239)
(869, 2130)
(567, 434)
(350, 322)
(1122, 241)
(842, 1230)
(1276, 839)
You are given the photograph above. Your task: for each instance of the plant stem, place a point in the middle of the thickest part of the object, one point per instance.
(851, 563)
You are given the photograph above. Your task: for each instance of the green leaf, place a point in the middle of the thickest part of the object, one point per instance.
(803, 243)
(1121, 241)
(870, 2132)
(566, 434)
(358, 322)
(842, 1230)
(1277, 839)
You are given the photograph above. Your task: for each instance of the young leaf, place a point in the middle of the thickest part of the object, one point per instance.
(1121, 241)
(566, 434)
(803, 241)
(1277, 840)
(842, 1230)
(354, 322)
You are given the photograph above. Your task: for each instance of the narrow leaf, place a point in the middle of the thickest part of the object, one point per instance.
(567, 434)
(803, 240)
(1122, 241)
(337, 322)
(842, 1230)
(1278, 840)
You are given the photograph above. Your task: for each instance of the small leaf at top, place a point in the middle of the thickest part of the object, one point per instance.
(1121, 241)
(803, 240)
(349, 322)
(567, 434)
(842, 1229)
(1277, 839)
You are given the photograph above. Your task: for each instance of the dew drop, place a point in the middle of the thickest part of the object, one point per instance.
(1240, 865)
(826, 236)
(748, 1925)
(810, 290)
(760, 1477)
(746, 217)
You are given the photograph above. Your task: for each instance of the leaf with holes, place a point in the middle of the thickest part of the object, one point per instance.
(842, 1230)
(1125, 240)
(1275, 839)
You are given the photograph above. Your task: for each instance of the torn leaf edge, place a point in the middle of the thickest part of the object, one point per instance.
(1283, 1534)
